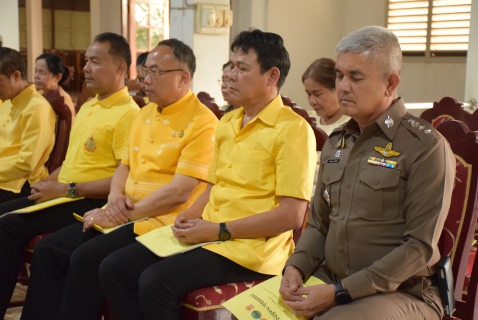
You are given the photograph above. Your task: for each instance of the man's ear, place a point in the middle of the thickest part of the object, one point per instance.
(185, 78)
(16, 76)
(393, 80)
(121, 68)
(274, 75)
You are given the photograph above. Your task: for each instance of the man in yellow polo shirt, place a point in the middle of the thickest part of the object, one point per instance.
(97, 141)
(259, 184)
(27, 129)
(161, 174)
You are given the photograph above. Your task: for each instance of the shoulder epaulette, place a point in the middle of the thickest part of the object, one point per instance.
(421, 128)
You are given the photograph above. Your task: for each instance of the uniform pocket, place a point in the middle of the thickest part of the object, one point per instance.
(332, 177)
(93, 142)
(378, 195)
(252, 167)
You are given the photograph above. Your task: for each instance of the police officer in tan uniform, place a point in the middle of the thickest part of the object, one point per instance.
(383, 193)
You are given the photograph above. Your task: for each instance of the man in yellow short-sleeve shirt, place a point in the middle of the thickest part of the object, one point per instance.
(161, 174)
(97, 141)
(27, 129)
(259, 184)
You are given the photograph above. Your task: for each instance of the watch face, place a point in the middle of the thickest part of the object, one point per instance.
(224, 236)
(72, 193)
(343, 297)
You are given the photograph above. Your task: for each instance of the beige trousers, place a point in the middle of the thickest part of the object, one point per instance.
(387, 306)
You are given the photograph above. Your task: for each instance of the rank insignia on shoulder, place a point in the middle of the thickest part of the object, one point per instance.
(387, 152)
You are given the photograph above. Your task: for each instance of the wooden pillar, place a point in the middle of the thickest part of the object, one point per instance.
(34, 35)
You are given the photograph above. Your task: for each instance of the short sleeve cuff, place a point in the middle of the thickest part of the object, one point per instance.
(359, 285)
(192, 169)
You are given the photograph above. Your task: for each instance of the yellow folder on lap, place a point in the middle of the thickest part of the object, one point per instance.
(107, 230)
(263, 301)
(162, 242)
(43, 205)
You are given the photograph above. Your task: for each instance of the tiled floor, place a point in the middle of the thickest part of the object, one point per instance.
(18, 295)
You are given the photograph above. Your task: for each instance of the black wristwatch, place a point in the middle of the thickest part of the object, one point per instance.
(72, 192)
(224, 234)
(342, 296)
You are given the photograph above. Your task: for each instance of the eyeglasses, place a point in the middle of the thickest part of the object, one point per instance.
(222, 81)
(139, 79)
(155, 73)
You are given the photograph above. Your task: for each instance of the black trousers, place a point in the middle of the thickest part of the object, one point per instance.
(6, 196)
(17, 230)
(64, 281)
(139, 285)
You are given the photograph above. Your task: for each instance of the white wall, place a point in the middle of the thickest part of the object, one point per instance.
(9, 24)
(105, 16)
(471, 87)
(312, 28)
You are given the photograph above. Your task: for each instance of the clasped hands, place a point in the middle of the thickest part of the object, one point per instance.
(194, 230)
(47, 190)
(117, 211)
(305, 301)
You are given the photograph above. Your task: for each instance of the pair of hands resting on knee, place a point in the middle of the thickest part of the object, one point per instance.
(305, 301)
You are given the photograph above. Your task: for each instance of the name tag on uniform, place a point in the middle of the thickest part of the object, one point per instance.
(334, 161)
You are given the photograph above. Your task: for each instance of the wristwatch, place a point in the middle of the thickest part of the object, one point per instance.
(224, 234)
(342, 296)
(72, 192)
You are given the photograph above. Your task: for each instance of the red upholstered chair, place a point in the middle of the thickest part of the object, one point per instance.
(456, 238)
(209, 102)
(449, 109)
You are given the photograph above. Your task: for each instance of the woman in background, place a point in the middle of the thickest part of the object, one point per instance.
(52, 74)
(319, 83)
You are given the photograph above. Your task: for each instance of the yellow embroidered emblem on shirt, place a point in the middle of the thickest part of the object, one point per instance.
(90, 144)
(387, 152)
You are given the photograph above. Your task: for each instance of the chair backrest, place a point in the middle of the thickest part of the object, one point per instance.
(456, 238)
(320, 135)
(62, 132)
(449, 109)
(209, 102)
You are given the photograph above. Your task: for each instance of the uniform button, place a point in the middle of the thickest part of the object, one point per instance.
(347, 185)
(221, 183)
(327, 179)
(342, 217)
(142, 160)
(216, 208)
(236, 139)
(229, 165)
(341, 249)
(157, 118)
(357, 154)
(375, 181)
(135, 181)
(151, 140)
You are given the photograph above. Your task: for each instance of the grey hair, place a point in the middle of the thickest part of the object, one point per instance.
(379, 43)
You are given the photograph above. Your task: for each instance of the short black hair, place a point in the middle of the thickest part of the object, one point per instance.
(55, 65)
(10, 61)
(119, 46)
(269, 48)
(224, 66)
(182, 52)
(141, 59)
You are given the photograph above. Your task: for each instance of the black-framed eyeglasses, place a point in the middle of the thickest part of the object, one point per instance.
(155, 72)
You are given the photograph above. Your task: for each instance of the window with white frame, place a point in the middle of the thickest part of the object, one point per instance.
(431, 27)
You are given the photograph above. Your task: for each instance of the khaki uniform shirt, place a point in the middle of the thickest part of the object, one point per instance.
(378, 227)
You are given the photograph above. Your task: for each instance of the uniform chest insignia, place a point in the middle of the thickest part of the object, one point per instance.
(327, 196)
(389, 122)
(382, 162)
(337, 154)
(387, 152)
(90, 144)
(181, 134)
(341, 143)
